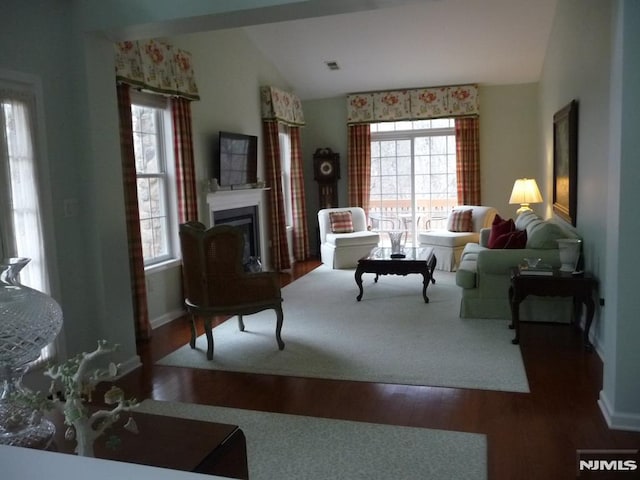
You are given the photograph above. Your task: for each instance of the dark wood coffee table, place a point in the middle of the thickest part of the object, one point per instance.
(417, 260)
(170, 442)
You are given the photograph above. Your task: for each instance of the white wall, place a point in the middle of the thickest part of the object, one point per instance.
(229, 72)
(572, 72)
(326, 127)
(620, 396)
(593, 58)
(509, 146)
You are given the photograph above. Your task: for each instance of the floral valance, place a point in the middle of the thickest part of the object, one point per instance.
(281, 106)
(413, 104)
(156, 66)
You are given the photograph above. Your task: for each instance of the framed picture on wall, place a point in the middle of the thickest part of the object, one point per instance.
(565, 162)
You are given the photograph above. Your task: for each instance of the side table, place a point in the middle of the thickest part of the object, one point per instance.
(558, 284)
(170, 442)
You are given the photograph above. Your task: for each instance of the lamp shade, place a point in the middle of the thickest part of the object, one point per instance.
(525, 191)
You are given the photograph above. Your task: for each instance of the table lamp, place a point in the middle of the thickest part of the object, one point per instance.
(525, 191)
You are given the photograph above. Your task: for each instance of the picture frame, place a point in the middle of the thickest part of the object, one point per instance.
(565, 162)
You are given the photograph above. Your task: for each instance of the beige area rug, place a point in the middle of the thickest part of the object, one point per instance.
(296, 447)
(391, 336)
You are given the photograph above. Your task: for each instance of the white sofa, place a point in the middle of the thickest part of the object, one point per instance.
(447, 246)
(343, 250)
(484, 273)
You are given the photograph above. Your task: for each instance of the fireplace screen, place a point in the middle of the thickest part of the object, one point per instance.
(245, 218)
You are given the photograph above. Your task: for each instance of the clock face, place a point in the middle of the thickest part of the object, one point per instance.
(326, 168)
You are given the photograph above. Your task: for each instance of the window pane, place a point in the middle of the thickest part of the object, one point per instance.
(145, 140)
(422, 145)
(439, 164)
(441, 123)
(388, 166)
(421, 124)
(152, 183)
(438, 145)
(388, 149)
(413, 185)
(422, 165)
(404, 165)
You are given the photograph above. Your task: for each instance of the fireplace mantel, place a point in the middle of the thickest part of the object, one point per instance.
(228, 199)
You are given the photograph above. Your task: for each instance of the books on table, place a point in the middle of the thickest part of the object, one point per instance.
(537, 270)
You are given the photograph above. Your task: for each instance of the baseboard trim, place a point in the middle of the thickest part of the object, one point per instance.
(166, 318)
(128, 366)
(618, 420)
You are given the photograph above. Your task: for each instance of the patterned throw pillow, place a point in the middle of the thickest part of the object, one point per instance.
(460, 221)
(341, 222)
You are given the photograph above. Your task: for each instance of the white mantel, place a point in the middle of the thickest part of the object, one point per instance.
(228, 199)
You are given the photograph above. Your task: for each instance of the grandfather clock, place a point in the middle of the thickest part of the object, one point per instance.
(326, 171)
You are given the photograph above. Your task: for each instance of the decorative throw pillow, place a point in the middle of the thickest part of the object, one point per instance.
(500, 227)
(341, 222)
(460, 221)
(514, 239)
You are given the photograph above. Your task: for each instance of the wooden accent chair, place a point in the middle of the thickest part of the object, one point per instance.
(215, 282)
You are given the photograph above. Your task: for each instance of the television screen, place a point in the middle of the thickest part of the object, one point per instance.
(237, 159)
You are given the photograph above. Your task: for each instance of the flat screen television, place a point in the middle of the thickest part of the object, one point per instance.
(237, 159)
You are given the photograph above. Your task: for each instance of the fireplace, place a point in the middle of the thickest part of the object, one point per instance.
(246, 219)
(247, 210)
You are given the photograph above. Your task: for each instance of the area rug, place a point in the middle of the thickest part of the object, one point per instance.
(284, 447)
(391, 336)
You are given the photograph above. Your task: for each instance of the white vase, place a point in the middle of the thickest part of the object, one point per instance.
(569, 250)
(397, 239)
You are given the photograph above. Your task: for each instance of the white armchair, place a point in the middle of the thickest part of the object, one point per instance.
(448, 245)
(344, 249)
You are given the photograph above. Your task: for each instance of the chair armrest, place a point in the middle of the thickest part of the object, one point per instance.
(484, 237)
(261, 285)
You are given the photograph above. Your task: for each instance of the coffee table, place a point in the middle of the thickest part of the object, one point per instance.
(379, 261)
(170, 442)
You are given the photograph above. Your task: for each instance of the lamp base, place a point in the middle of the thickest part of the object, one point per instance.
(523, 208)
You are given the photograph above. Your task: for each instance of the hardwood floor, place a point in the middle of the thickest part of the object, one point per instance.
(530, 436)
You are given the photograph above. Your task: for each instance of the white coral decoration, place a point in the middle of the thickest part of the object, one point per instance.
(78, 387)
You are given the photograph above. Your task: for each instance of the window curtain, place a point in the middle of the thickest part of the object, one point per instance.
(156, 66)
(359, 165)
(21, 226)
(298, 203)
(21, 222)
(278, 106)
(136, 260)
(277, 222)
(184, 163)
(468, 160)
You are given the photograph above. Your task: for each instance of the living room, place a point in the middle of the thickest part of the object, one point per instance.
(43, 39)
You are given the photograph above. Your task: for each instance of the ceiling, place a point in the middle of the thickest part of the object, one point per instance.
(410, 44)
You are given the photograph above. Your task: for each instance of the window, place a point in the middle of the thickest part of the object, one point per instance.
(151, 121)
(21, 227)
(285, 164)
(413, 174)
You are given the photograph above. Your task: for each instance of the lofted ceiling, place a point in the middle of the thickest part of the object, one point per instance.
(410, 44)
